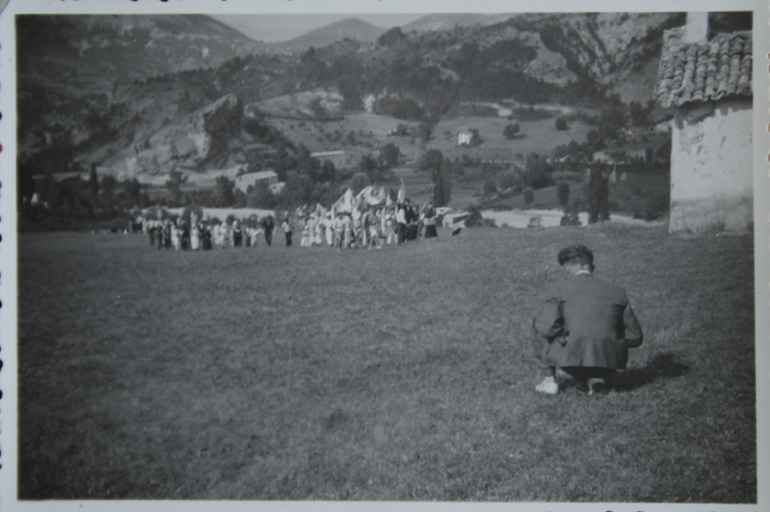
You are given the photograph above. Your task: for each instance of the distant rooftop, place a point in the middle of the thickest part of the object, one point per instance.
(259, 175)
(327, 153)
(706, 71)
(63, 176)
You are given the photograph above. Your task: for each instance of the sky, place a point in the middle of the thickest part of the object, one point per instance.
(283, 27)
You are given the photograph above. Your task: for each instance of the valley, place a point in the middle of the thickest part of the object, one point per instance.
(216, 103)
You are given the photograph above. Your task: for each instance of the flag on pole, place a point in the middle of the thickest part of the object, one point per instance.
(345, 203)
(402, 192)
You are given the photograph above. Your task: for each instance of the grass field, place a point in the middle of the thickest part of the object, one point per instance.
(399, 374)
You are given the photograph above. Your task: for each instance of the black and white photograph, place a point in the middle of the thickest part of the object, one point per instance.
(380, 253)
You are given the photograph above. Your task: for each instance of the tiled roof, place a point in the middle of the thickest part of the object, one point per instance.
(261, 175)
(705, 71)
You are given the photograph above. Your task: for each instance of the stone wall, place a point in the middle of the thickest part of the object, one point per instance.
(711, 167)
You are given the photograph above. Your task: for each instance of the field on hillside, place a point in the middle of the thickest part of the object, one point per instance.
(535, 136)
(635, 195)
(394, 374)
(465, 192)
(640, 194)
(369, 131)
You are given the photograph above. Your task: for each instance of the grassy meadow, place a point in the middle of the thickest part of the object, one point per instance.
(394, 374)
(539, 136)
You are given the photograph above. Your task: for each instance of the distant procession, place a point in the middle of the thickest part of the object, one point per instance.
(373, 218)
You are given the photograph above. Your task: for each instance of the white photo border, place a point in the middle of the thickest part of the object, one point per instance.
(9, 243)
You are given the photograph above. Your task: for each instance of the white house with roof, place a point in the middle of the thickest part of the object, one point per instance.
(252, 179)
(464, 138)
(708, 83)
(339, 158)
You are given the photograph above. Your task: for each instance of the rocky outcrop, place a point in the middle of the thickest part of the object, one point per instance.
(318, 104)
(200, 139)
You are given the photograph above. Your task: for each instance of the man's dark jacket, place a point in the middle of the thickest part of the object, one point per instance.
(586, 322)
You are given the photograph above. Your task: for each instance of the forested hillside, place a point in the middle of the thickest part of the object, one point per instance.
(141, 98)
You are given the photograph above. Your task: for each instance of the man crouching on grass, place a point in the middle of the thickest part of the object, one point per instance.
(585, 326)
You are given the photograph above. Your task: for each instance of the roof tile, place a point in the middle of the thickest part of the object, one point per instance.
(705, 71)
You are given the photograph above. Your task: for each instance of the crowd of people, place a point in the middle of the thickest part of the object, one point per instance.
(199, 235)
(365, 226)
(370, 226)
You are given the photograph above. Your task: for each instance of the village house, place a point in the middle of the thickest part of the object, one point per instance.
(708, 83)
(61, 177)
(339, 158)
(464, 138)
(252, 179)
(277, 188)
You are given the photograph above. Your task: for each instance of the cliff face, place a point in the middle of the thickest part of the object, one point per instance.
(197, 139)
(608, 48)
(89, 86)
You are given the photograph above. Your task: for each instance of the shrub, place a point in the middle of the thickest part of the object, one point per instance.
(511, 130)
(562, 192)
(391, 37)
(476, 138)
(511, 180)
(529, 195)
(488, 188)
(598, 197)
(537, 172)
(475, 220)
(440, 176)
(389, 155)
(561, 124)
(570, 219)
(401, 130)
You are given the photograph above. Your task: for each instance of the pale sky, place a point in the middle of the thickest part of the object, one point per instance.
(282, 27)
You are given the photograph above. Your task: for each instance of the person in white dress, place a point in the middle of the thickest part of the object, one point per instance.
(218, 236)
(304, 241)
(318, 231)
(175, 238)
(329, 225)
(374, 229)
(339, 231)
(390, 227)
(195, 237)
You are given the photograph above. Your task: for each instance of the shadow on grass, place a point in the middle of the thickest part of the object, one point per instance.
(662, 365)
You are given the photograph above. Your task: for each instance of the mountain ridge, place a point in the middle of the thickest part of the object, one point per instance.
(145, 46)
(350, 28)
(447, 21)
